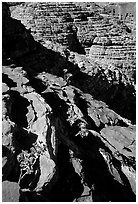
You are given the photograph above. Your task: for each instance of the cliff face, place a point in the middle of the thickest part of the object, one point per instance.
(109, 44)
(59, 143)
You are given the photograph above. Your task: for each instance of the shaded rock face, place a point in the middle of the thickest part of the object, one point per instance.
(106, 41)
(73, 43)
(16, 39)
(59, 143)
(111, 87)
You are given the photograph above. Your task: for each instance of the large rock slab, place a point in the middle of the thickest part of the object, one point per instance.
(122, 139)
(47, 172)
(10, 191)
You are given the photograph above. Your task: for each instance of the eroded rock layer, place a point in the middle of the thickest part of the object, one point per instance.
(61, 142)
(96, 31)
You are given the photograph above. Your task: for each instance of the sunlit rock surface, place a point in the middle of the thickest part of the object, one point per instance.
(68, 120)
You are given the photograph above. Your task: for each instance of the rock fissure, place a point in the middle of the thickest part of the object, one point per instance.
(62, 142)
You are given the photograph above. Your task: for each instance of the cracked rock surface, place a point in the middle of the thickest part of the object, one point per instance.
(58, 142)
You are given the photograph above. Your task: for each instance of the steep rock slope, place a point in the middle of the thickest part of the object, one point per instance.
(59, 144)
(109, 44)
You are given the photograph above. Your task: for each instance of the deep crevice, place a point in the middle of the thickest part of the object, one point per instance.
(68, 186)
(8, 81)
(19, 109)
(97, 175)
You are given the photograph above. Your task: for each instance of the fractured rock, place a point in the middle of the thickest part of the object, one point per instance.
(58, 140)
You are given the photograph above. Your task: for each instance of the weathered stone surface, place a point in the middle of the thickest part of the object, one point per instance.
(61, 139)
(7, 133)
(86, 195)
(122, 139)
(5, 88)
(48, 170)
(10, 192)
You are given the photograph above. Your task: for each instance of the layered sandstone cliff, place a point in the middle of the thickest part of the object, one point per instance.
(59, 142)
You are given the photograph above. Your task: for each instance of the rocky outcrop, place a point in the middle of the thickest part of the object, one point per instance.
(109, 43)
(59, 143)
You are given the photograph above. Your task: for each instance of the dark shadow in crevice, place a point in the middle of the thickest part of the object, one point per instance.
(96, 172)
(68, 187)
(8, 81)
(15, 173)
(106, 188)
(124, 101)
(59, 106)
(9, 163)
(118, 97)
(97, 176)
(32, 196)
(22, 140)
(19, 109)
(82, 104)
(37, 84)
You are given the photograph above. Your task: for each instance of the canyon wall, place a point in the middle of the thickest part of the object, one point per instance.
(61, 140)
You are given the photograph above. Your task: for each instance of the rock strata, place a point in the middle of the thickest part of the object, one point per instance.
(61, 143)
